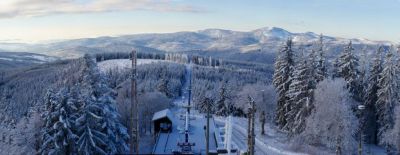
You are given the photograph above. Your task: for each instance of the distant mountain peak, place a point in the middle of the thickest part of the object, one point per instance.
(273, 32)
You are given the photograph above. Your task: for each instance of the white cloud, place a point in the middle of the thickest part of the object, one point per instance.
(28, 8)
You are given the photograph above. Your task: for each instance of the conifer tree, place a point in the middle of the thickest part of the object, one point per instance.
(284, 66)
(392, 137)
(223, 106)
(334, 72)
(92, 139)
(316, 67)
(299, 97)
(320, 62)
(59, 131)
(99, 128)
(348, 70)
(371, 96)
(83, 119)
(388, 94)
(117, 134)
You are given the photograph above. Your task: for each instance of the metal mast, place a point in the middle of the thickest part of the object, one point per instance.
(190, 86)
(134, 146)
(250, 129)
(208, 126)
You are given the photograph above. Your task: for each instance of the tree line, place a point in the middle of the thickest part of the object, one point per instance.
(306, 81)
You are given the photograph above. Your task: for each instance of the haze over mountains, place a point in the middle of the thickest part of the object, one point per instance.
(215, 42)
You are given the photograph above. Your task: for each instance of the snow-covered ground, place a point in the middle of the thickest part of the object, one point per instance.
(273, 142)
(123, 63)
(277, 143)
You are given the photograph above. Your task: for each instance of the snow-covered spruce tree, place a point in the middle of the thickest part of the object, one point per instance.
(207, 104)
(319, 62)
(370, 98)
(332, 123)
(388, 95)
(299, 97)
(90, 128)
(317, 67)
(223, 105)
(98, 127)
(348, 70)
(334, 70)
(58, 133)
(163, 88)
(392, 137)
(284, 66)
(116, 132)
(364, 72)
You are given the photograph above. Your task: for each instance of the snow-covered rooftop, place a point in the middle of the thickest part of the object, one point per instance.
(161, 114)
(166, 143)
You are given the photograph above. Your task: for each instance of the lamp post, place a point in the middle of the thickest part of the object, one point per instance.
(251, 121)
(262, 121)
(262, 116)
(361, 109)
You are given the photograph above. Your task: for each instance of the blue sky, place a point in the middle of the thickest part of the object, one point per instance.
(40, 20)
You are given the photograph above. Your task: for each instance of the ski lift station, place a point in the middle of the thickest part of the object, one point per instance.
(178, 132)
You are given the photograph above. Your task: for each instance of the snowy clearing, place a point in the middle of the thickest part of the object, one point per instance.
(123, 63)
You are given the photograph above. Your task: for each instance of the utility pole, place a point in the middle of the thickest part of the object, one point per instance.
(361, 109)
(208, 126)
(134, 146)
(248, 128)
(190, 86)
(253, 120)
(251, 128)
(262, 120)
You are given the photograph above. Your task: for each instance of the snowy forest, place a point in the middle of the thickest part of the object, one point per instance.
(334, 103)
(309, 101)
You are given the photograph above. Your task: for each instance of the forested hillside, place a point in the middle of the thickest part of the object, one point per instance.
(307, 95)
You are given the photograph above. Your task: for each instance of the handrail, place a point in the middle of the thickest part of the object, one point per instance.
(158, 139)
(166, 142)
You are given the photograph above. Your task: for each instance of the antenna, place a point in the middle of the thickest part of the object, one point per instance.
(134, 146)
(190, 85)
(251, 125)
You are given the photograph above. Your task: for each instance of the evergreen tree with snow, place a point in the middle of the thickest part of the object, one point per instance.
(334, 71)
(117, 134)
(223, 106)
(284, 66)
(388, 94)
(319, 62)
(91, 124)
(299, 97)
(332, 122)
(59, 130)
(371, 97)
(348, 65)
(392, 137)
(364, 72)
(163, 87)
(99, 128)
(317, 68)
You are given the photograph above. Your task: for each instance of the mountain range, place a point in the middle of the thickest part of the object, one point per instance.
(216, 42)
